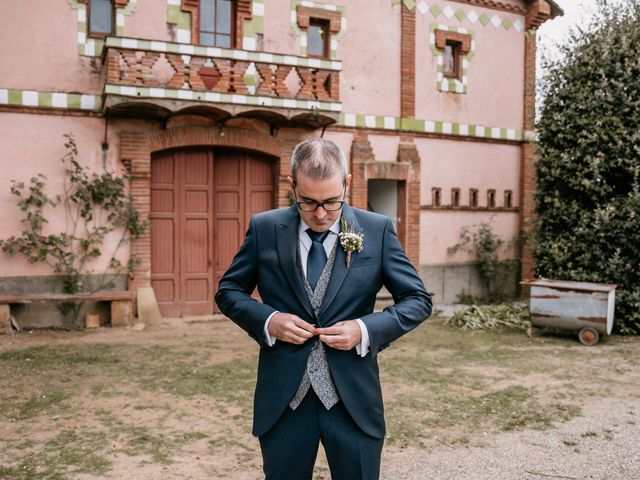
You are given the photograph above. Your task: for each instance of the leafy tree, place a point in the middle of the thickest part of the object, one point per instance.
(588, 169)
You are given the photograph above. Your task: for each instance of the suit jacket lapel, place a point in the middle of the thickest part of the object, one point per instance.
(287, 244)
(339, 272)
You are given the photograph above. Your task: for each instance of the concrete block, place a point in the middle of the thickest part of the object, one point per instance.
(433, 277)
(148, 310)
(5, 319)
(121, 313)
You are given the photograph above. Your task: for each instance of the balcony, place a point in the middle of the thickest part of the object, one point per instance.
(152, 79)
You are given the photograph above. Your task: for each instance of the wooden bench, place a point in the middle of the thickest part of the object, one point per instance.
(121, 304)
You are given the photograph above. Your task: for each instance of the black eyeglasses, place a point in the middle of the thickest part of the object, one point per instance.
(312, 205)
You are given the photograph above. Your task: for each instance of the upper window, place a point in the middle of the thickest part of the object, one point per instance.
(318, 24)
(100, 18)
(318, 38)
(217, 23)
(452, 59)
(454, 47)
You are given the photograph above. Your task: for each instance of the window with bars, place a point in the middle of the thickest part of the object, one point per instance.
(217, 22)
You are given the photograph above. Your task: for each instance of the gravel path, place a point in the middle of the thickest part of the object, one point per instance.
(602, 444)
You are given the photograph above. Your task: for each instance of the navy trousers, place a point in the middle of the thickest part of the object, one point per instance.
(290, 448)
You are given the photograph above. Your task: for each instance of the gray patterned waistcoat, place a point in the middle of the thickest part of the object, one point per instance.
(317, 374)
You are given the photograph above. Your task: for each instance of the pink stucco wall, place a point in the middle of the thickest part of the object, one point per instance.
(451, 164)
(496, 73)
(441, 230)
(40, 50)
(32, 144)
(148, 21)
(370, 52)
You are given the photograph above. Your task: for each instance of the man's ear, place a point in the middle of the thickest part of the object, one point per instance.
(291, 185)
(347, 184)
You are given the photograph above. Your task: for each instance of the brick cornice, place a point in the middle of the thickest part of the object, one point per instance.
(538, 12)
(442, 36)
(495, 5)
(305, 14)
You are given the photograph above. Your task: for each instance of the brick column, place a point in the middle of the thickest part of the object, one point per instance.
(135, 154)
(361, 153)
(537, 13)
(408, 62)
(408, 153)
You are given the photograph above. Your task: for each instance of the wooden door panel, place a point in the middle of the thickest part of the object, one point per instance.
(164, 234)
(196, 227)
(201, 204)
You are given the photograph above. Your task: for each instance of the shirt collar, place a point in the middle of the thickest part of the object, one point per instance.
(335, 228)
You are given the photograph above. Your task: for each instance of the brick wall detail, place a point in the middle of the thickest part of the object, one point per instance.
(406, 170)
(408, 62)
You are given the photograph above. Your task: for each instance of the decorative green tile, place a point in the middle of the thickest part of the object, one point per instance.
(144, 45)
(395, 2)
(435, 10)
(73, 100)
(484, 19)
(44, 99)
(507, 23)
(14, 97)
(173, 48)
(461, 14)
(410, 4)
(438, 127)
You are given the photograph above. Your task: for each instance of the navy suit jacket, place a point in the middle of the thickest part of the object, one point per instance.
(267, 258)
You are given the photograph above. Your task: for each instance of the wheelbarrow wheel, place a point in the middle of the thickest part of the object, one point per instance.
(588, 336)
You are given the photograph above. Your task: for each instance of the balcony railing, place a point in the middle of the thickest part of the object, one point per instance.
(152, 69)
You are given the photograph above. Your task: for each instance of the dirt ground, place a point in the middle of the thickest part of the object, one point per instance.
(174, 401)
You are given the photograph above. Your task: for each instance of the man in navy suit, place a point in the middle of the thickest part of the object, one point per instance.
(318, 336)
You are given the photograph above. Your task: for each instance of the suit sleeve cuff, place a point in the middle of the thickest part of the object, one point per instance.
(363, 347)
(270, 341)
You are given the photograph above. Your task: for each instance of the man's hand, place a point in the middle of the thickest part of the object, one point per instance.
(290, 328)
(341, 336)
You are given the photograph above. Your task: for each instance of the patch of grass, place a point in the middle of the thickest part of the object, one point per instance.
(142, 440)
(16, 409)
(67, 454)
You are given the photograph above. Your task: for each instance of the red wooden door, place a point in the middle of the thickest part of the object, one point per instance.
(243, 187)
(201, 202)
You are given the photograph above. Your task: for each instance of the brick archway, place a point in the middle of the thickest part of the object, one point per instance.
(136, 149)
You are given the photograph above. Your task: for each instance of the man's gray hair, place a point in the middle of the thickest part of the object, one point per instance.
(318, 159)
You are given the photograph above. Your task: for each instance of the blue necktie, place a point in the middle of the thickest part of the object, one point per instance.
(317, 257)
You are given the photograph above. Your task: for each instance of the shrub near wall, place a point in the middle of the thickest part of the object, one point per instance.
(588, 170)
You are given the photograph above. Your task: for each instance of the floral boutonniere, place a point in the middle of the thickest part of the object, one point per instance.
(350, 240)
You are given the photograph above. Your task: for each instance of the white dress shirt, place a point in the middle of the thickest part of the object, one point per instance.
(305, 245)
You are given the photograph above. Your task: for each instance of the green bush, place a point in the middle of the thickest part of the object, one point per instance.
(588, 169)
